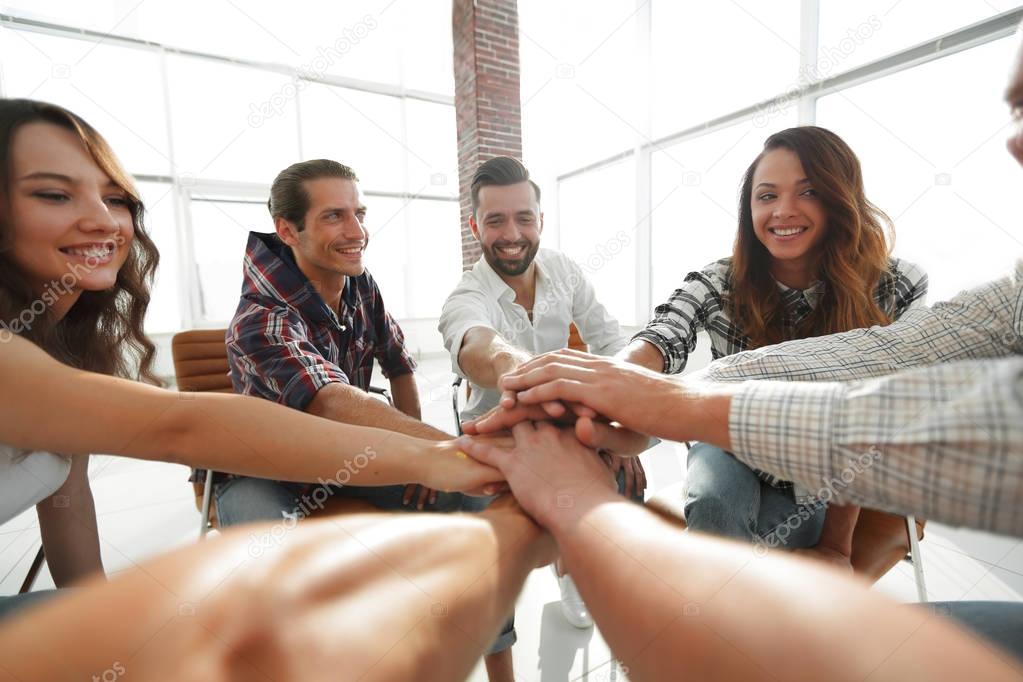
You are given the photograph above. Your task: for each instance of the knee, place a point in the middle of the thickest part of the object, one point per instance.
(714, 513)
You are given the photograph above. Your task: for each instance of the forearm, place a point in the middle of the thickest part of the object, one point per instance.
(644, 354)
(485, 357)
(713, 609)
(940, 442)
(299, 611)
(350, 405)
(67, 525)
(406, 395)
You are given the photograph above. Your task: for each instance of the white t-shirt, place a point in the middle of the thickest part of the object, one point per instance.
(27, 479)
(563, 295)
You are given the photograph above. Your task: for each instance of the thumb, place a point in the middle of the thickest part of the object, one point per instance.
(587, 431)
(482, 452)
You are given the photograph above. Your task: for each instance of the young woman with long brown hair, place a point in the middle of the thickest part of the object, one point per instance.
(810, 258)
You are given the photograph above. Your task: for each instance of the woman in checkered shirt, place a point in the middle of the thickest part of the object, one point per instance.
(810, 258)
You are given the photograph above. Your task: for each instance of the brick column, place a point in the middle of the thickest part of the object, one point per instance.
(487, 108)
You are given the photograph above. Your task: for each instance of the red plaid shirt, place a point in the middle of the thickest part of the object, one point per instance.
(285, 344)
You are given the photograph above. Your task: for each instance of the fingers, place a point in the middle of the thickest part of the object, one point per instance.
(521, 380)
(583, 411)
(640, 476)
(424, 495)
(507, 399)
(410, 490)
(554, 408)
(557, 389)
(501, 419)
(630, 479)
(566, 355)
(482, 452)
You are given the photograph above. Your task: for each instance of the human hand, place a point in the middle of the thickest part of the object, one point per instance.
(553, 476)
(448, 468)
(637, 398)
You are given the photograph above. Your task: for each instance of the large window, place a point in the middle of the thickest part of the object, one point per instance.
(205, 114)
(661, 153)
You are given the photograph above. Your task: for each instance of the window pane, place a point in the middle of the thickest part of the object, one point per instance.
(694, 195)
(696, 75)
(117, 90)
(427, 49)
(579, 93)
(600, 234)
(937, 164)
(387, 254)
(854, 33)
(432, 148)
(165, 307)
(436, 241)
(356, 128)
(220, 230)
(231, 123)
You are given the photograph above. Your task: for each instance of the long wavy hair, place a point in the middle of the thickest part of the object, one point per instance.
(854, 254)
(103, 330)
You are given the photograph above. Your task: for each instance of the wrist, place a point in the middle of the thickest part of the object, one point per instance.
(570, 511)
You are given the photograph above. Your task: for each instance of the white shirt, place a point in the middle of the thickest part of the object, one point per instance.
(27, 479)
(563, 295)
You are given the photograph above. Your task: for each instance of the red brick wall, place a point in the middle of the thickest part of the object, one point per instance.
(487, 108)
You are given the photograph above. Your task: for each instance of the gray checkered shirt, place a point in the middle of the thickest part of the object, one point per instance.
(700, 303)
(930, 421)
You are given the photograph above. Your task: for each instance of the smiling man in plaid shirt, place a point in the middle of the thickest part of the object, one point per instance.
(308, 327)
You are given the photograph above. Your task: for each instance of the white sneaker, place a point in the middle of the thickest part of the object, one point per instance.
(572, 605)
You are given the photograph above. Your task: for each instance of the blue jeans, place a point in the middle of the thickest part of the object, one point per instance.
(1000, 623)
(245, 499)
(727, 498)
(16, 603)
(507, 637)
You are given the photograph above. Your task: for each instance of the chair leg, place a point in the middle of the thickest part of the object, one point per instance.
(33, 572)
(207, 495)
(918, 560)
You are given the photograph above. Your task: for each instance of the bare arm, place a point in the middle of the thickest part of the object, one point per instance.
(343, 403)
(230, 433)
(485, 356)
(712, 607)
(380, 596)
(406, 395)
(67, 524)
(644, 354)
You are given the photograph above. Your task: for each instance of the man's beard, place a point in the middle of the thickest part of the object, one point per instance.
(511, 268)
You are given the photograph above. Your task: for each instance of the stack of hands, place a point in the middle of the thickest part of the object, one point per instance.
(574, 419)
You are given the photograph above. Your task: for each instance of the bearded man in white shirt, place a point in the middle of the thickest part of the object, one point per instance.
(518, 301)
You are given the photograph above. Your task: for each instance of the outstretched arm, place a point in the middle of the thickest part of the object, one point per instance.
(712, 607)
(237, 434)
(339, 597)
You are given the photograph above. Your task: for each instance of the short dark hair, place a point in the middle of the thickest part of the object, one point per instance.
(288, 196)
(500, 171)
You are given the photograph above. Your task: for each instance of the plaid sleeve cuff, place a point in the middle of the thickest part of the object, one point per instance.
(786, 429)
(659, 338)
(303, 386)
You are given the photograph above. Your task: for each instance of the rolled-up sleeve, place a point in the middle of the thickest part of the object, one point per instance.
(943, 442)
(463, 310)
(270, 356)
(677, 321)
(980, 323)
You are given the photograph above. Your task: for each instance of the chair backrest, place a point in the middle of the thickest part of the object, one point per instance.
(575, 341)
(200, 361)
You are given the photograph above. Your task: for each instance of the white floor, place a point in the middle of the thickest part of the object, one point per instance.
(147, 508)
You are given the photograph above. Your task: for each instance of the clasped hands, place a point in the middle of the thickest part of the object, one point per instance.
(561, 407)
